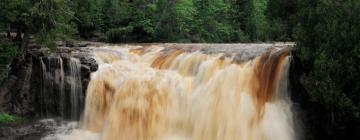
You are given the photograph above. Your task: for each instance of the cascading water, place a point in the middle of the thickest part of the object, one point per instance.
(188, 93)
(76, 94)
(52, 82)
(61, 87)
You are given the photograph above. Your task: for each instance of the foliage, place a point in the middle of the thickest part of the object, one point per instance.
(8, 51)
(173, 20)
(212, 18)
(150, 20)
(87, 17)
(133, 18)
(281, 17)
(258, 22)
(329, 48)
(7, 118)
(48, 20)
(119, 34)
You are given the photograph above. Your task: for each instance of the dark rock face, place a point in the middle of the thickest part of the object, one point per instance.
(26, 93)
(16, 88)
(34, 130)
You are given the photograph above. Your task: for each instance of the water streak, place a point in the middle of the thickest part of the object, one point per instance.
(76, 94)
(55, 92)
(52, 83)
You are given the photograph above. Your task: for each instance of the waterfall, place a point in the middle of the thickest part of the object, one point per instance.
(76, 94)
(188, 93)
(52, 83)
(43, 108)
(61, 89)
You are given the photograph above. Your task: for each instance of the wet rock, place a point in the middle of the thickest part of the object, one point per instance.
(85, 68)
(83, 44)
(6, 131)
(21, 92)
(29, 130)
(5, 90)
(93, 64)
(85, 71)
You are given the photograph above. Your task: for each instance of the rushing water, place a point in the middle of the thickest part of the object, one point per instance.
(187, 93)
(54, 82)
(76, 94)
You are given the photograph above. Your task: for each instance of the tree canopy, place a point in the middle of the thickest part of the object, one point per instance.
(47, 20)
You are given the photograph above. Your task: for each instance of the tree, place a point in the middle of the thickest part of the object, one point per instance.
(212, 21)
(281, 16)
(127, 21)
(14, 14)
(47, 20)
(88, 17)
(328, 40)
(167, 19)
(51, 20)
(257, 22)
(240, 16)
(249, 19)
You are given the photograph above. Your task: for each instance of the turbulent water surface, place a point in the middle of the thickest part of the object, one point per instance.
(189, 92)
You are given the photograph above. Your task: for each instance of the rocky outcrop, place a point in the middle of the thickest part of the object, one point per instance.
(26, 93)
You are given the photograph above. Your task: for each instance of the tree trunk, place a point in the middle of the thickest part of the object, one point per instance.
(8, 32)
(24, 44)
(18, 35)
(8, 35)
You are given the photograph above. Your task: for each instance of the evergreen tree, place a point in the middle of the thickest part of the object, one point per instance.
(328, 42)
(281, 15)
(88, 17)
(213, 21)
(257, 22)
(240, 19)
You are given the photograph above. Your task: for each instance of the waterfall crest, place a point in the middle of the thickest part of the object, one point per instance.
(159, 92)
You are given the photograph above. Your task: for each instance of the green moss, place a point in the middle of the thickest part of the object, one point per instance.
(7, 118)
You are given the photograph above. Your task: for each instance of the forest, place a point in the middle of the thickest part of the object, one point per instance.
(326, 59)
